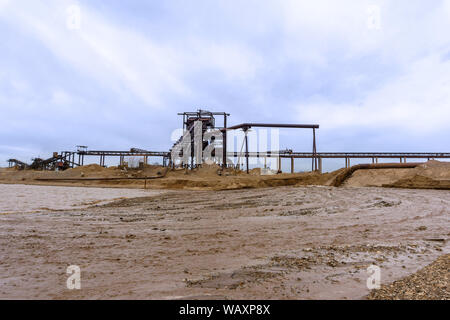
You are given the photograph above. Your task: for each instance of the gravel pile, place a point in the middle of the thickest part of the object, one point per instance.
(429, 283)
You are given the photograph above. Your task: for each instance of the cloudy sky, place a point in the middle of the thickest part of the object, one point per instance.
(113, 74)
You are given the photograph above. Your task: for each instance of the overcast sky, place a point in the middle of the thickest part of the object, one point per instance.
(374, 74)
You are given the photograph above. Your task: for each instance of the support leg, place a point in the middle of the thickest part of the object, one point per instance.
(246, 150)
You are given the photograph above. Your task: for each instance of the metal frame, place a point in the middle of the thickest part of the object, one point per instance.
(134, 152)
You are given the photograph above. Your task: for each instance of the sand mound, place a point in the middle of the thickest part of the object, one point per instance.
(434, 169)
(375, 177)
(430, 175)
(420, 182)
(255, 172)
(207, 171)
(87, 169)
(240, 181)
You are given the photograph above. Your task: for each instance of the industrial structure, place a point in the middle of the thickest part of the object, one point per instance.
(203, 122)
(208, 123)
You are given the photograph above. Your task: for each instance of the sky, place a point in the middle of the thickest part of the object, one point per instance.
(375, 75)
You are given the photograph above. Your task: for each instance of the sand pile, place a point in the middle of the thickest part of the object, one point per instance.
(87, 168)
(430, 175)
(239, 180)
(206, 171)
(255, 172)
(420, 182)
(375, 177)
(434, 169)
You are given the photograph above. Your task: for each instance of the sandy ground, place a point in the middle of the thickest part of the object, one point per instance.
(31, 199)
(288, 242)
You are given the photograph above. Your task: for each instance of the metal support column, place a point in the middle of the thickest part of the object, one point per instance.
(246, 149)
(314, 160)
(224, 142)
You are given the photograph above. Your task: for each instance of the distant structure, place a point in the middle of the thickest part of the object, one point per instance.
(208, 123)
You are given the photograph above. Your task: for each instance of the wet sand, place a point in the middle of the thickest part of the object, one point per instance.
(268, 243)
(29, 199)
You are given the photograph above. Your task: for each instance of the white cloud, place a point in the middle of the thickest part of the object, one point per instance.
(4, 3)
(123, 59)
(417, 102)
(61, 98)
(111, 55)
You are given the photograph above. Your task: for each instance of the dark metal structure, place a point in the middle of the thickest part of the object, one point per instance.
(57, 161)
(17, 163)
(134, 152)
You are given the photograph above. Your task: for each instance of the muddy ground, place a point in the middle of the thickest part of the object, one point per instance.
(270, 243)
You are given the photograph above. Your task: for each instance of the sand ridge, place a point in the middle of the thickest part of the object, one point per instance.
(431, 175)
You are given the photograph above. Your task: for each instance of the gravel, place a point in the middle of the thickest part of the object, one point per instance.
(430, 283)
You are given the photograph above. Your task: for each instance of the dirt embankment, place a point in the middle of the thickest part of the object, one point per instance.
(430, 175)
(205, 178)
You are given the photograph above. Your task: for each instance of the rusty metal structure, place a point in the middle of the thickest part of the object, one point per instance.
(133, 152)
(14, 163)
(56, 162)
